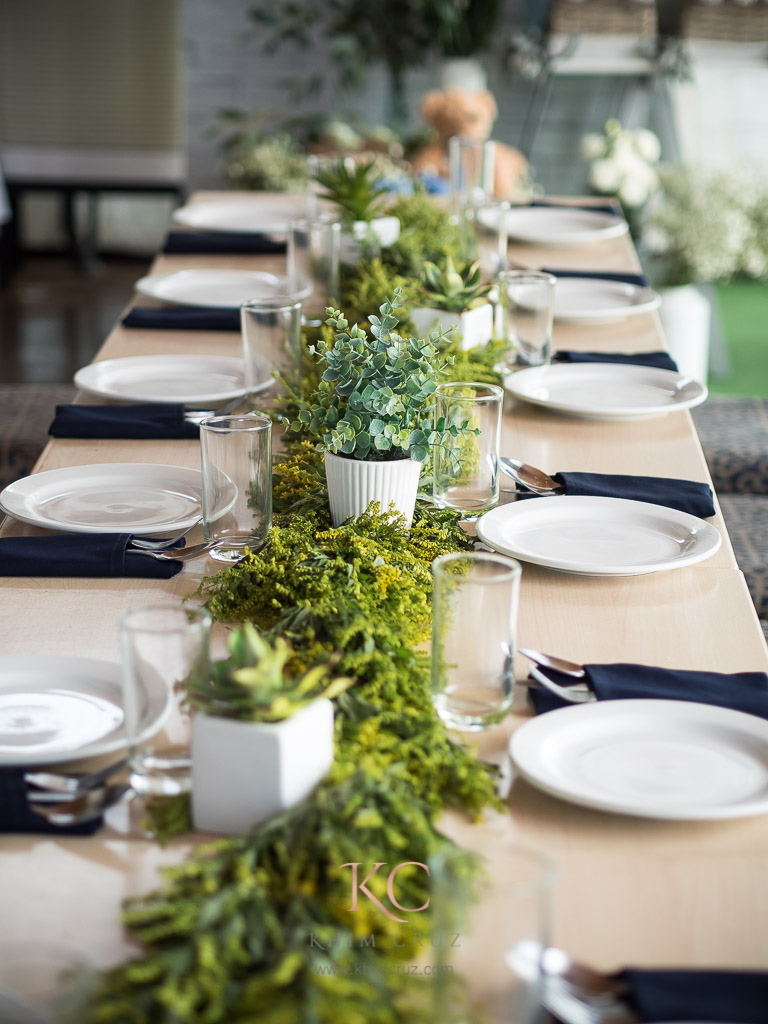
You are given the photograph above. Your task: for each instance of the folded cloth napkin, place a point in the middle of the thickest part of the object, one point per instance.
(603, 275)
(15, 815)
(699, 995)
(661, 360)
(135, 422)
(221, 242)
(684, 495)
(608, 207)
(184, 318)
(81, 554)
(741, 691)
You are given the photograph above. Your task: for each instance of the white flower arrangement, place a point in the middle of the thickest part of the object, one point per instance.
(622, 163)
(708, 225)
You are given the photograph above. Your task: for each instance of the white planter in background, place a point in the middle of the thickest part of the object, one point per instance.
(245, 772)
(353, 484)
(474, 325)
(685, 316)
(466, 73)
(385, 231)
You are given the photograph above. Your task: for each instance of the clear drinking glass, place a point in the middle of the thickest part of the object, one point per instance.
(466, 467)
(527, 304)
(163, 646)
(474, 626)
(271, 330)
(471, 168)
(485, 234)
(494, 929)
(314, 249)
(237, 483)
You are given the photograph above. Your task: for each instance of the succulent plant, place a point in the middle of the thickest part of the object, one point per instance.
(252, 684)
(453, 289)
(374, 400)
(356, 188)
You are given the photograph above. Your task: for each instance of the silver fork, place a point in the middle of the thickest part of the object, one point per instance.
(163, 543)
(59, 783)
(198, 415)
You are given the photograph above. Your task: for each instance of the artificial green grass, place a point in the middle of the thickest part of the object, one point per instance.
(744, 312)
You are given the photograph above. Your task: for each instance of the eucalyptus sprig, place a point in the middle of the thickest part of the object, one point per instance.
(452, 288)
(374, 400)
(254, 685)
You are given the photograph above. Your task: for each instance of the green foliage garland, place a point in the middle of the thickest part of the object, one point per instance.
(226, 939)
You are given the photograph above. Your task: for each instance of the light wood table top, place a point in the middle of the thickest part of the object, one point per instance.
(630, 890)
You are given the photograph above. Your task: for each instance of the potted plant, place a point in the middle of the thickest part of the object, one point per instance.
(372, 412)
(358, 193)
(455, 298)
(261, 738)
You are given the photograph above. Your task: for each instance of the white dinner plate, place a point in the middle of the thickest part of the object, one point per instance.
(606, 391)
(594, 300)
(649, 758)
(267, 214)
(217, 288)
(189, 379)
(597, 536)
(562, 226)
(119, 497)
(54, 708)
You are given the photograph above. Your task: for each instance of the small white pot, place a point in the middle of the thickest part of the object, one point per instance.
(466, 73)
(474, 325)
(245, 772)
(353, 484)
(385, 231)
(686, 316)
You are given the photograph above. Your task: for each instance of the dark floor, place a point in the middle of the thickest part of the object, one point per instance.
(54, 316)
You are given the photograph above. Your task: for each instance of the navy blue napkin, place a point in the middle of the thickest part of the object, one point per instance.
(222, 242)
(95, 555)
(661, 360)
(183, 318)
(134, 422)
(741, 691)
(15, 815)
(603, 275)
(701, 995)
(684, 495)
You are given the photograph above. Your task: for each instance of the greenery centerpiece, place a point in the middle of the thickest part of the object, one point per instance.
(262, 736)
(372, 412)
(454, 297)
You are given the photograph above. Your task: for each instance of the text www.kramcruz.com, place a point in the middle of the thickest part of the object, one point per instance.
(415, 970)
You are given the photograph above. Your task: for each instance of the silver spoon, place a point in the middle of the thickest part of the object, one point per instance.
(85, 807)
(56, 783)
(568, 668)
(183, 554)
(529, 477)
(571, 694)
(162, 543)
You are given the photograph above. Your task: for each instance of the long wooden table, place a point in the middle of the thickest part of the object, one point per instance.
(630, 890)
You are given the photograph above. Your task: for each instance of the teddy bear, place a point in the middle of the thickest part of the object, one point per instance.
(470, 115)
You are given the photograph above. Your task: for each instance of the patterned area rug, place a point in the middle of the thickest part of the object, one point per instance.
(734, 436)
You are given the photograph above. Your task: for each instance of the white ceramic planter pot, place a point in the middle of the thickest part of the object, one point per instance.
(353, 484)
(474, 325)
(245, 772)
(685, 316)
(384, 230)
(466, 73)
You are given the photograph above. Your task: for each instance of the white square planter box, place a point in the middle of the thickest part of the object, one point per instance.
(245, 772)
(385, 230)
(474, 325)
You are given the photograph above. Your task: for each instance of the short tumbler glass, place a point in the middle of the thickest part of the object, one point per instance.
(163, 647)
(484, 231)
(527, 304)
(271, 330)
(474, 626)
(471, 168)
(237, 483)
(466, 466)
